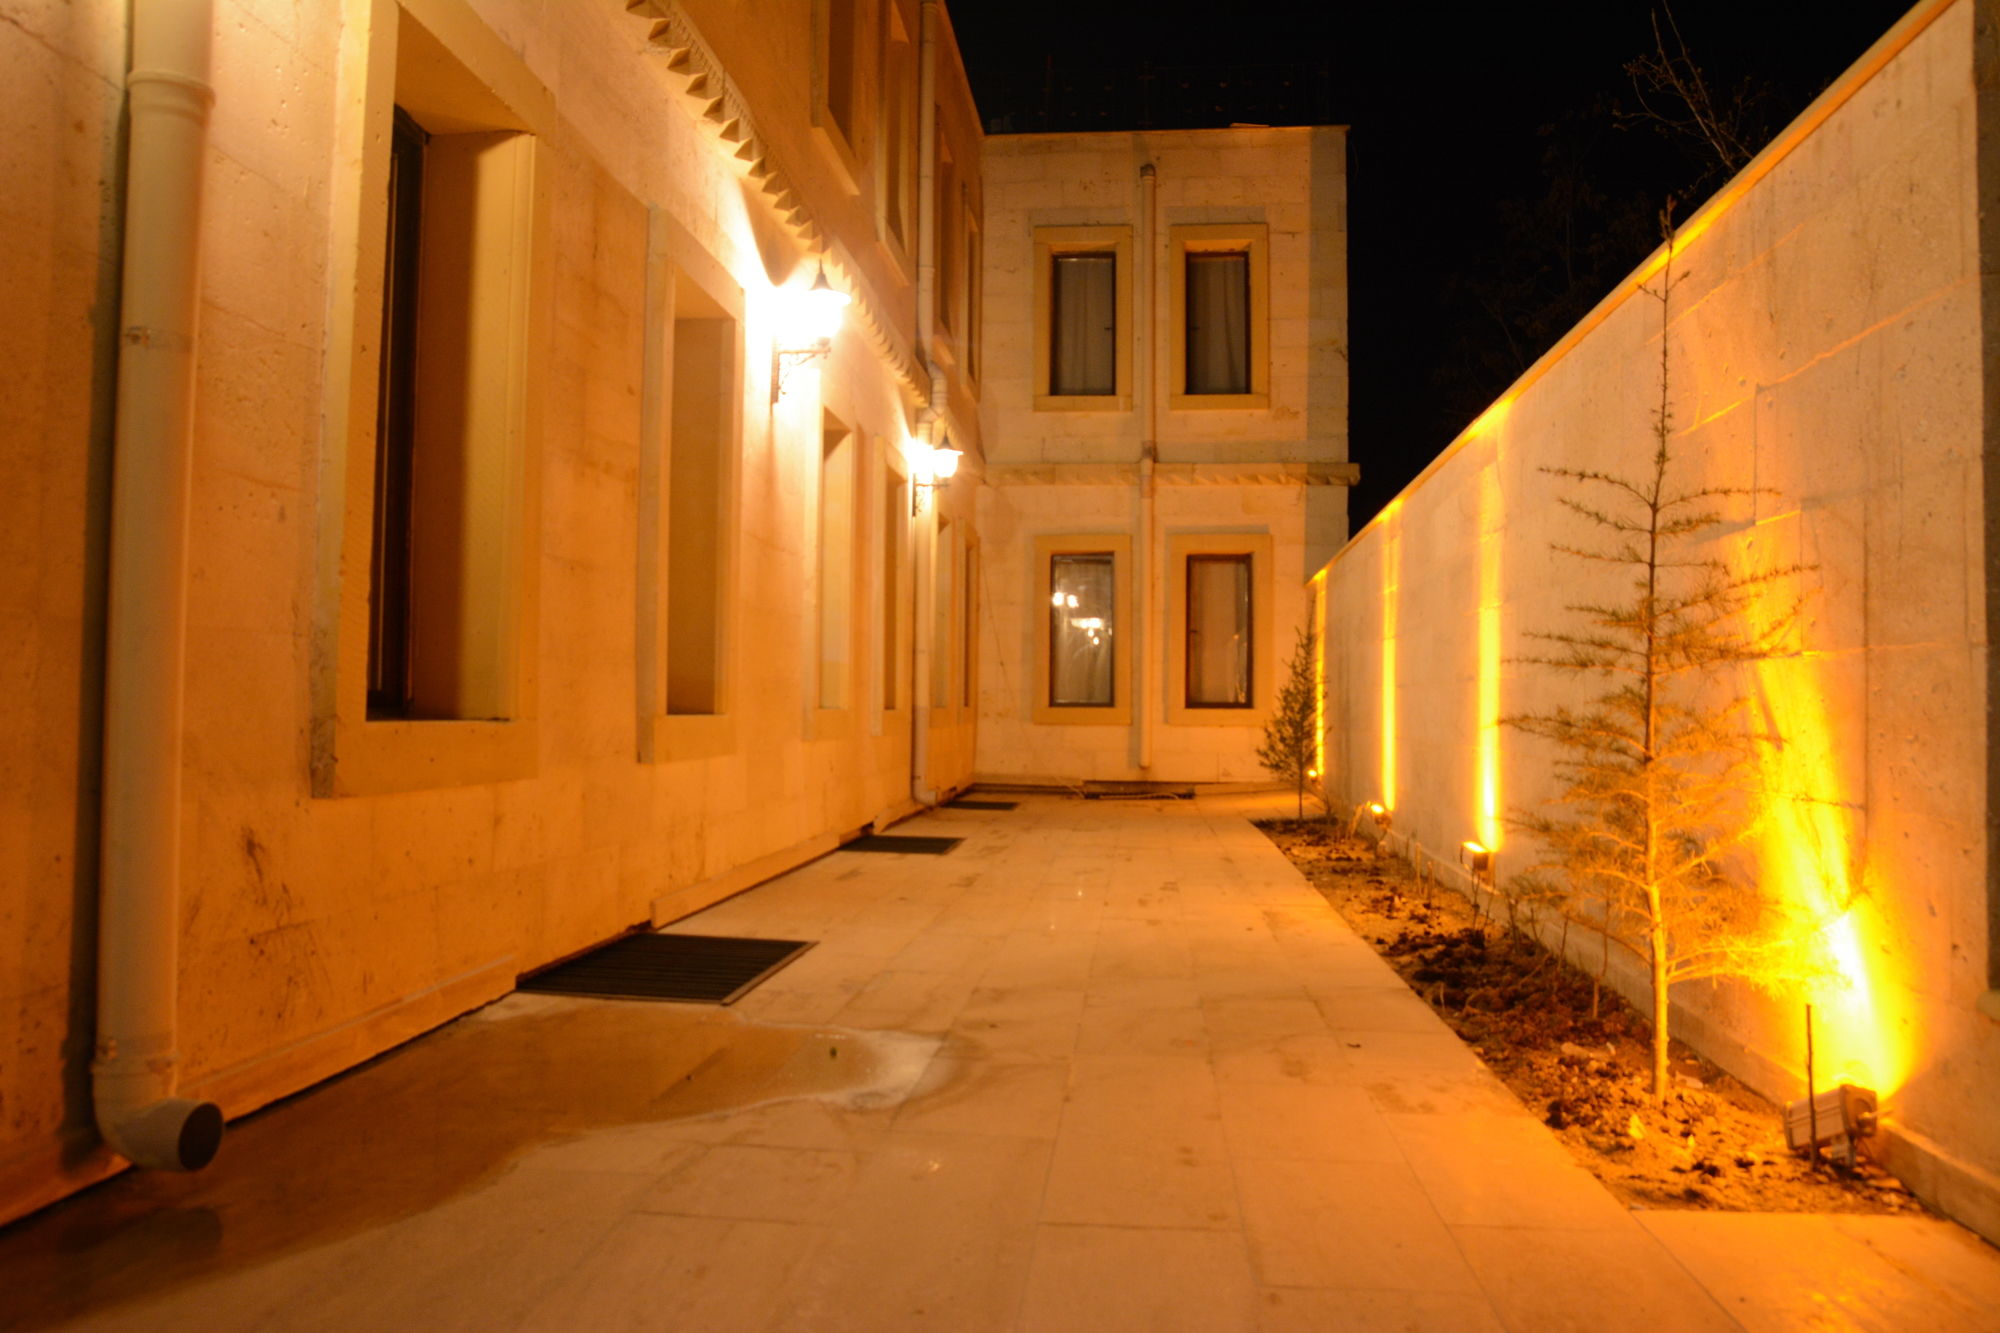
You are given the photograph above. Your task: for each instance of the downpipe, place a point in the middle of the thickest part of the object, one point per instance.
(1151, 645)
(922, 626)
(133, 1079)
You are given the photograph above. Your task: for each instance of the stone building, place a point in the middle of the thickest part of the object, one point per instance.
(438, 543)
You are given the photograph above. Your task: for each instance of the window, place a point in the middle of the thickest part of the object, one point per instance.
(1220, 310)
(1218, 631)
(389, 693)
(1220, 619)
(974, 292)
(898, 150)
(1083, 617)
(968, 610)
(895, 520)
(1218, 321)
(700, 455)
(837, 78)
(944, 571)
(1083, 660)
(1083, 318)
(946, 213)
(1083, 346)
(836, 562)
(425, 620)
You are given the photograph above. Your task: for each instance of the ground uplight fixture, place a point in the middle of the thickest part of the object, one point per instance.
(1833, 1120)
(808, 321)
(1380, 814)
(1373, 811)
(1476, 857)
(931, 470)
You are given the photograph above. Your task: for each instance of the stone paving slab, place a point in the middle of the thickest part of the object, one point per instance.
(1107, 1065)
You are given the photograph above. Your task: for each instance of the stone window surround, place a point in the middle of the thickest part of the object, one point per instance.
(441, 63)
(1053, 241)
(1264, 640)
(1252, 238)
(1124, 628)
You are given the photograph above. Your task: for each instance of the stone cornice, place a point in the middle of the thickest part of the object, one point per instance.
(716, 102)
(1174, 474)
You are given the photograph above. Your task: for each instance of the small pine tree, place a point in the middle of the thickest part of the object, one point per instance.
(1656, 773)
(1291, 737)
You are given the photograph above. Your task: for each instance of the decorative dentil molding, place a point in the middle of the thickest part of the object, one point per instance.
(717, 103)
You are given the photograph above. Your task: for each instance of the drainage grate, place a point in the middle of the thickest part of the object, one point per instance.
(893, 842)
(1093, 791)
(968, 803)
(701, 969)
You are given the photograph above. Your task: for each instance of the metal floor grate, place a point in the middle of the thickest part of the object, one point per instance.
(699, 969)
(970, 803)
(892, 842)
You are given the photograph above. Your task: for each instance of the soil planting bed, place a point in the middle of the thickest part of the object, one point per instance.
(1715, 1144)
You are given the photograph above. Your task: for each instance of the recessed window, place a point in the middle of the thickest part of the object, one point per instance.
(836, 561)
(1083, 319)
(895, 517)
(1218, 322)
(1219, 639)
(1082, 621)
(395, 430)
(700, 445)
(1083, 328)
(1220, 312)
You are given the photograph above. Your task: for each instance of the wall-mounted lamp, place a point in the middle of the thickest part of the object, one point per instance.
(930, 470)
(807, 323)
(1476, 857)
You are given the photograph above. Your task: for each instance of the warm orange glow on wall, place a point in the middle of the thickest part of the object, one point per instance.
(1317, 592)
(1487, 733)
(1809, 855)
(1392, 562)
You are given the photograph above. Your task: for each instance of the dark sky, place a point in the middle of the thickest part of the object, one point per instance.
(1445, 105)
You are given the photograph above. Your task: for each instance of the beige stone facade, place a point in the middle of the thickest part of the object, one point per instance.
(1146, 468)
(675, 632)
(1831, 355)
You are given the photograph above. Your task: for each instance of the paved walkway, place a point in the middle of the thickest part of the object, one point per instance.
(1106, 1066)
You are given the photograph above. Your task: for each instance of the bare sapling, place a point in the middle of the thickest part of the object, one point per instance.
(1656, 774)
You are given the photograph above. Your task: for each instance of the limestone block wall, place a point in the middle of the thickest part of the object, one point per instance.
(1825, 354)
(1272, 465)
(332, 909)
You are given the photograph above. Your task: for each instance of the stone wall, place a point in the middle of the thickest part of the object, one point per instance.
(1825, 343)
(1271, 466)
(321, 929)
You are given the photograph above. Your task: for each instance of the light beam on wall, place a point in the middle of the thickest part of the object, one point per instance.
(1392, 569)
(1318, 610)
(1487, 734)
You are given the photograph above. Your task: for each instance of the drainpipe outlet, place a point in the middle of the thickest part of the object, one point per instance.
(174, 1134)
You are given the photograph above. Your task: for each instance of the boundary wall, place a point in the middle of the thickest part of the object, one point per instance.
(1825, 335)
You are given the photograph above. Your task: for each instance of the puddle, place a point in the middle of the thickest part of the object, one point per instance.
(436, 1119)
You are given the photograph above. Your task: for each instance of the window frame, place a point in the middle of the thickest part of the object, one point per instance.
(842, 142)
(1248, 238)
(1049, 243)
(674, 258)
(1119, 547)
(1263, 619)
(1252, 623)
(459, 80)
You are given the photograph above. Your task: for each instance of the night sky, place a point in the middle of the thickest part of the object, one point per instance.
(1454, 115)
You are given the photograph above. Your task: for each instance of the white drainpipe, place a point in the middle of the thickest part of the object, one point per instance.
(1146, 691)
(922, 619)
(133, 1075)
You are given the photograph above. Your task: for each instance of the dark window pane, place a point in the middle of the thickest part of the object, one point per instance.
(1218, 322)
(1083, 324)
(1080, 627)
(1218, 631)
(389, 692)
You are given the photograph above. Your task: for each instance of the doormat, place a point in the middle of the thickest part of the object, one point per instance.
(1167, 791)
(893, 842)
(698, 969)
(972, 803)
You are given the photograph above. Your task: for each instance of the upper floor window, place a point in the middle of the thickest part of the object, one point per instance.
(1083, 318)
(1220, 316)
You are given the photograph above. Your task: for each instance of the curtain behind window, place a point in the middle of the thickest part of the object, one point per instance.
(1083, 324)
(1218, 619)
(1218, 322)
(1080, 624)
